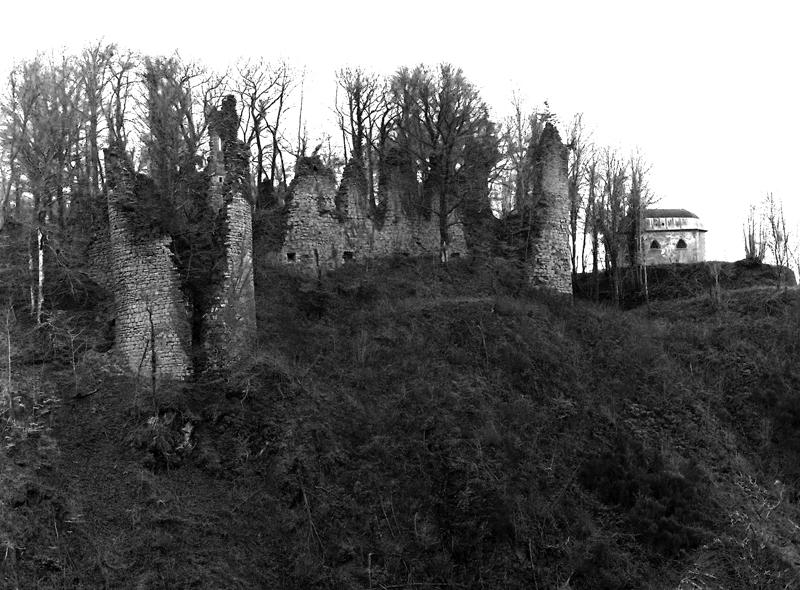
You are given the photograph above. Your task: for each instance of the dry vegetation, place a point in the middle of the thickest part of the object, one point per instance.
(411, 425)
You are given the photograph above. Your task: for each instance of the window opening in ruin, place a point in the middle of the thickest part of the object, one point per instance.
(455, 255)
(291, 256)
(348, 255)
(654, 245)
(681, 244)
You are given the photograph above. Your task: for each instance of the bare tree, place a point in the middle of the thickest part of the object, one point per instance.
(365, 116)
(263, 90)
(42, 122)
(755, 235)
(778, 238)
(575, 179)
(520, 133)
(439, 112)
(120, 96)
(592, 218)
(95, 71)
(639, 199)
(173, 119)
(614, 219)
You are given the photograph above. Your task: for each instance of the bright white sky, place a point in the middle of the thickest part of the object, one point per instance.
(708, 91)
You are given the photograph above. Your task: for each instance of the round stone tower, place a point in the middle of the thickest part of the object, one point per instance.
(551, 264)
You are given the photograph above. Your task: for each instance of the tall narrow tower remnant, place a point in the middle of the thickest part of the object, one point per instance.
(551, 264)
(231, 320)
(152, 324)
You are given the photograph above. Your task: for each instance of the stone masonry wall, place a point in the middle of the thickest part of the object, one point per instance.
(327, 228)
(231, 321)
(150, 313)
(551, 262)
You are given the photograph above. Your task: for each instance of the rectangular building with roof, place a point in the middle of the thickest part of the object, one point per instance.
(672, 235)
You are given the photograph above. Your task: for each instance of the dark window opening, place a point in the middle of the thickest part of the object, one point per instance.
(654, 245)
(348, 255)
(455, 255)
(290, 256)
(405, 254)
(681, 244)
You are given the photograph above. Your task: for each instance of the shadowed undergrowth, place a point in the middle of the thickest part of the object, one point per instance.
(410, 424)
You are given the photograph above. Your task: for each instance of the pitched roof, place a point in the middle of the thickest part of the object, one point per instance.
(650, 213)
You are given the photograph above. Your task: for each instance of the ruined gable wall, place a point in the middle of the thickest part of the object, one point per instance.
(314, 240)
(231, 320)
(327, 227)
(551, 264)
(150, 313)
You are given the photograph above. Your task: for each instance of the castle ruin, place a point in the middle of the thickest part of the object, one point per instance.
(550, 264)
(161, 325)
(152, 330)
(326, 227)
(230, 322)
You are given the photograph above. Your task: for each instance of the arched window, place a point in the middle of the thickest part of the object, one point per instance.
(654, 245)
(681, 244)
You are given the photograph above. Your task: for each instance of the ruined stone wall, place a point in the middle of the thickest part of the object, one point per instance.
(550, 264)
(150, 313)
(329, 227)
(231, 320)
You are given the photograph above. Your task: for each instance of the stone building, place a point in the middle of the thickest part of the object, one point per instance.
(673, 235)
(324, 227)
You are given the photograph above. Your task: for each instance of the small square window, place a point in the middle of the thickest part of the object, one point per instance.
(348, 255)
(291, 256)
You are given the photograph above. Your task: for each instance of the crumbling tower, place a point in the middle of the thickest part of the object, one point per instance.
(231, 319)
(152, 330)
(551, 264)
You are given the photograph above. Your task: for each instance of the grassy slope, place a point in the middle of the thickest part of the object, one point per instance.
(412, 424)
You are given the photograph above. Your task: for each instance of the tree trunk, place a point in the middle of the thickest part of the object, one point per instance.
(40, 282)
(595, 273)
(31, 272)
(443, 220)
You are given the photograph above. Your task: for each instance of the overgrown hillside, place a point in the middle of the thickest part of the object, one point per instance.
(666, 282)
(410, 425)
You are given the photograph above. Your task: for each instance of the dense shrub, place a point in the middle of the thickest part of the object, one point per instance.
(663, 509)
